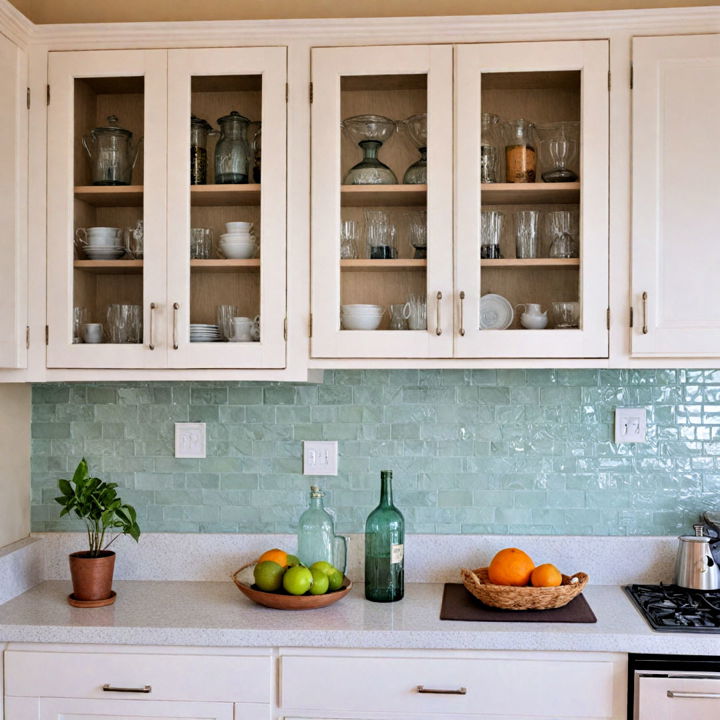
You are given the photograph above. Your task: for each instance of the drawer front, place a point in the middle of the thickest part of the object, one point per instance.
(498, 687)
(170, 677)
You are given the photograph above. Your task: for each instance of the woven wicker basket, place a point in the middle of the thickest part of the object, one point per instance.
(510, 597)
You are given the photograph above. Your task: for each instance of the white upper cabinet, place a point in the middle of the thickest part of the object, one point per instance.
(676, 196)
(531, 203)
(386, 186)
(248, 278)
(107, 124)
(13, 205)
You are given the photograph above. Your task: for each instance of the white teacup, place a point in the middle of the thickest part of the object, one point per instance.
(98, 236)
(238, 227)
(242, 329)
(92, 332)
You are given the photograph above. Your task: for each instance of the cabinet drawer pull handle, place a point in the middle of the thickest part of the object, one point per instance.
(462, 323)
(706, 695)
(439, 691)
(176, 307)
(644, 327)
(438, 318)
(151, 346)
(111, 688)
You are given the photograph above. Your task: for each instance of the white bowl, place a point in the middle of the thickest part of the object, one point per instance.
(238, 252)
(237, 236)
(361, 323)
(238, 227)
(362, 308)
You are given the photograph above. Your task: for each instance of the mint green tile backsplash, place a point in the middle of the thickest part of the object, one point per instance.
(472, 451)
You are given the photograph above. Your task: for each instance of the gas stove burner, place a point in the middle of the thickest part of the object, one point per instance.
(670, 608)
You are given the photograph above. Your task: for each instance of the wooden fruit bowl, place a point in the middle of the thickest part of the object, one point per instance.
(511, 597)
(281, 601)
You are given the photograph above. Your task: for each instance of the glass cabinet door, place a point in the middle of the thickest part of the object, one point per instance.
(381, 217)
(226, 208)
(531, 183)
(106, 209)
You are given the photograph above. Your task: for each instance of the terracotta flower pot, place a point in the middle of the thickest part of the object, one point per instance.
(92, 576)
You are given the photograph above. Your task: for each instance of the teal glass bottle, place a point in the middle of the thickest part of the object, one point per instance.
(385, 548)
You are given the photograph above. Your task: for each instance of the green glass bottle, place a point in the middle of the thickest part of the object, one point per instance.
(385, 548)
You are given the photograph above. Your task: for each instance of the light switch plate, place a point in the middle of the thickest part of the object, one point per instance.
(630, 425)
(320, 457)
(190, 440)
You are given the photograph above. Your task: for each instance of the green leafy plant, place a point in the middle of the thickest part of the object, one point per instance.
(97, 503)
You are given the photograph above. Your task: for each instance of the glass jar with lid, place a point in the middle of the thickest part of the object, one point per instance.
(112, 153)
(232, 152)
(520, 155)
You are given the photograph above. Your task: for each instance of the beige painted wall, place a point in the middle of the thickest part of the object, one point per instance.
(14, 463)
(78, 11)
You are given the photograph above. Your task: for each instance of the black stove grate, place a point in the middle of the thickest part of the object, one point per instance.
(670, 608)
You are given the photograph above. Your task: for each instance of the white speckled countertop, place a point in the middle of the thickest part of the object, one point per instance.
(217, 614)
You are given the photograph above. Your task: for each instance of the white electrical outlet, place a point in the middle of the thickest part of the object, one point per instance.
(320, 457)
(630, 425)
(190, 440)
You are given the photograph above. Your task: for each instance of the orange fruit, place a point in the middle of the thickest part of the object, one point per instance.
(546, 575)
(510, 566)
(275, 555)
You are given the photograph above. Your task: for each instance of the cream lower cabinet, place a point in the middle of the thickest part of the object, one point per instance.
(676, 196)
(154, 303)
(381, 238)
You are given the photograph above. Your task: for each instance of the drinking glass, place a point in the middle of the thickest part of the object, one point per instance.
(201, 240)
(417, 233)
(526, 235)
(398, 320)
(489, 142)
(349, 234)
(381, 238)
(562, 231)
(566, 314)
(225, 315)
(80, 317)
(415, 311)
(92, 332)
(124, 323)
(491, 227)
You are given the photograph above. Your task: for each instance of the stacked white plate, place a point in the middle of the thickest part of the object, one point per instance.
(201, 332)
(104, 252)
(361, 317)
(496, 312)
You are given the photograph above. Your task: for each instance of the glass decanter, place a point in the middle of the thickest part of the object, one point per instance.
(369, 132)
(416, 128)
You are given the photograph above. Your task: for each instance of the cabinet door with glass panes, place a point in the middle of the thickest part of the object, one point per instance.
(531, 183)
(226, 208)
(381, 216)
(106, 234)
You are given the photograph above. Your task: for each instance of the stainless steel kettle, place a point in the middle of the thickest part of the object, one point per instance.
(695, 566)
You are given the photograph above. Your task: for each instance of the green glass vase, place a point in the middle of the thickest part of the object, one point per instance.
(385, 548)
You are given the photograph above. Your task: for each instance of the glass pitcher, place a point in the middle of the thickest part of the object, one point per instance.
(316, 535)
(232, 152)
(112, 153)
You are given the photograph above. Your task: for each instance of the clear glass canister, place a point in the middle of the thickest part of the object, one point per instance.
(232, 152)
(199, 131)
(112, 153)
(520, 155)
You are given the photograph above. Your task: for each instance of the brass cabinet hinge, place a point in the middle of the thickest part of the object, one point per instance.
(285, 328)
(311, 92)
(47, 334)
(310, 326)
(632, 77)
(28, 98)
(607, 318)
(48, 94)
(632, 314)
(27, 337)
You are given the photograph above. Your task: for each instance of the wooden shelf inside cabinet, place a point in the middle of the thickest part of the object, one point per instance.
(110, 195)
(120, 267)
(530, 193)
(214, 195)
(532, 263)
(385, 195)
(222, 265)
(365, 265)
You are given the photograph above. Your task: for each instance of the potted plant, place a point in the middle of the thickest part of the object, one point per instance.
(106, 517)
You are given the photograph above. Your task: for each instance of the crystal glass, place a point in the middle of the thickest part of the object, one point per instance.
(520, 155)
(491, 227)
(380, 235)
(417, 232)
(398, 318)
(124, 323)
(385, 548)
(489, 142)
(369, 132)
(201, 241)
(232, 152)
(416, 128)
(225, 315)
(317, 540)
(526, 233)
(566, 314)
(415, 311)
(558, 143)
(80, 317)
(349, 235)
(561, 229)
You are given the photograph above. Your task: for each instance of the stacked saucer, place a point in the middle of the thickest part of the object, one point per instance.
(202, 332)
